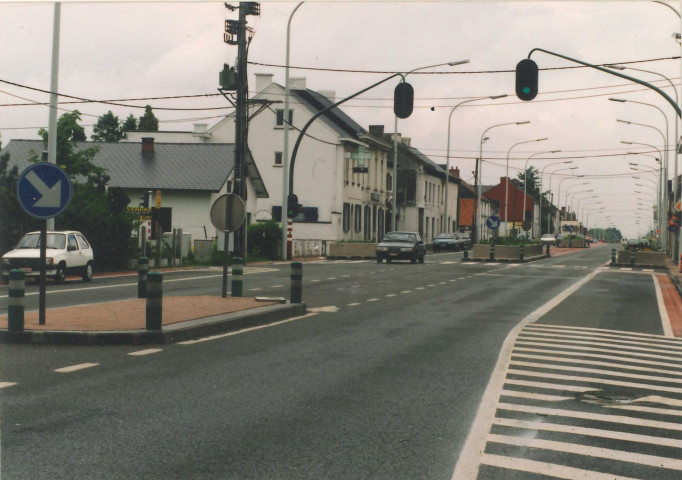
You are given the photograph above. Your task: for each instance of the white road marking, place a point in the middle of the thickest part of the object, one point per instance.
(276, 286)
(255, 289)
(594, 339)
(609, 373)
(591, 432)
(327, 309)
(353, 304)
(7, 384)
(548, 386)
(246, 330)
(74, 368)
(420, 288)
(468, 462)
(406, 291)
(601, 381)
(314, 281)
(390, 294)
(534, 396)
(674, 368)
(148, 351)
(665, 320)
(601, 331)
(331, 278)
(552, 344)
(372, 300)
(544, 468)
(618, 455)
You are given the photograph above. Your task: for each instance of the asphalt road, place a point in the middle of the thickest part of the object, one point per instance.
(385, 379)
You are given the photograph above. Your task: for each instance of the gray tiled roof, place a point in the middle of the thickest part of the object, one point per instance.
(173, 166)
(338, 119)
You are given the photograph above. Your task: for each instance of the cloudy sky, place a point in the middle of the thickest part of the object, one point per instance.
(133, 53)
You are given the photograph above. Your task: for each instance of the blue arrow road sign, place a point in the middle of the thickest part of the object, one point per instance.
(492, 222)
(44, 190)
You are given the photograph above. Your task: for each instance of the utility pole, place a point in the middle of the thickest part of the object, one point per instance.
(238, 81)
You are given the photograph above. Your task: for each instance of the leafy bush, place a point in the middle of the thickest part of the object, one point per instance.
(264, 240)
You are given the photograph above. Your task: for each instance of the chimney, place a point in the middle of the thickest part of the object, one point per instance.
(297, 83)
(330, 94)
(454, 171)
(263, 81)
(148, 146)
(376, 130)
(406, 141)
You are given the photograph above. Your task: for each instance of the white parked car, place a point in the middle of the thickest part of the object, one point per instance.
(548, 238)
(67, 252)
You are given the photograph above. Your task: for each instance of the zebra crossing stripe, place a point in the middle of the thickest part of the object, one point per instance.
(673, 347)
(589, 432)
(609, 373)
(544, 468)
(576, 449)
(580, 349)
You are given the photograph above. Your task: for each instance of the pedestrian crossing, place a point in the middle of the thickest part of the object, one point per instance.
(586, 403)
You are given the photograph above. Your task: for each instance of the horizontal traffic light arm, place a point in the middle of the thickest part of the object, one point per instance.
(617, 74)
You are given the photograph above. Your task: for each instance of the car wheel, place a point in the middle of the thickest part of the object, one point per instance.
(388, 260)
(414, 258)
(87, 272)
(60, 274)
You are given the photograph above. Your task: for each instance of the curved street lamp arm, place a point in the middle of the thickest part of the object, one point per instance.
(611, 72)
(322, 112)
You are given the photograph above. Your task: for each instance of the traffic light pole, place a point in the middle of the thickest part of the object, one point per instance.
(617, 74)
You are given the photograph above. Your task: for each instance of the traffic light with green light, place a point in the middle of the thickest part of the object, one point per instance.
(293, 207)
(526, 79)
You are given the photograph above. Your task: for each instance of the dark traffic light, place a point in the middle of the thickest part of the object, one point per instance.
(403, 100)
(145, 200)
(526, 79)
(293, 207)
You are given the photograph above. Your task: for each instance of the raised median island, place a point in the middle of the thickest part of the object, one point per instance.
(507, 253)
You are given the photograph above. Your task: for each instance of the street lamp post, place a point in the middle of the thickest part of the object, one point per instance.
(542, 173)
(506, 185)
(676, 245)
(559, 190)
(549, 212)
(664, 242)
(664, 200)
(447, 157)
(285, 149)
(394, 189)
(525, 181)
(477, 215)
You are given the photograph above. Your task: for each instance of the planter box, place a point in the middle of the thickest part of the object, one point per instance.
(351, 251)
(506, 252)
(642, 259)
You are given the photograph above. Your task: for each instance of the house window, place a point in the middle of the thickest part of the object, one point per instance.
(278, 159)
(280, 117)
(346, 217)
(368, 222)
(358, 218)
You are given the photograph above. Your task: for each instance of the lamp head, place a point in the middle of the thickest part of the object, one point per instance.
(621, 100)
(459, 62)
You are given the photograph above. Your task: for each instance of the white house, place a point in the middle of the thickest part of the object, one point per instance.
(343, 174)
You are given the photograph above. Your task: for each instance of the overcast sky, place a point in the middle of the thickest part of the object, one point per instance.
(123, 51)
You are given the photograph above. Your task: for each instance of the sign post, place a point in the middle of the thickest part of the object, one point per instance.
(44, 191)
(227, 215)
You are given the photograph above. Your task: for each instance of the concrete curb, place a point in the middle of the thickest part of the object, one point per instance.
(176, 332)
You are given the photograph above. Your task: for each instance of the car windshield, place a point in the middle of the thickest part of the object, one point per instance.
(32, 240)
(399, 237)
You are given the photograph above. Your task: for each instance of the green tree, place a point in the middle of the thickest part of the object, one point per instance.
(100, 214)
(76, 162)
(14, 222)
(107, 129)
(531, 178)
(264, 239)
(148, 121)
(129, 125)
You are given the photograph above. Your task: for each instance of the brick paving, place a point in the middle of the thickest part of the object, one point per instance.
(131, 314)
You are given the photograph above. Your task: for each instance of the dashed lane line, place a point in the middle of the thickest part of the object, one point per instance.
(75, 368)
(148, 351)
(7, 384)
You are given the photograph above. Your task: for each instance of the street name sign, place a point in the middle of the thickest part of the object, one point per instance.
(44, 190)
